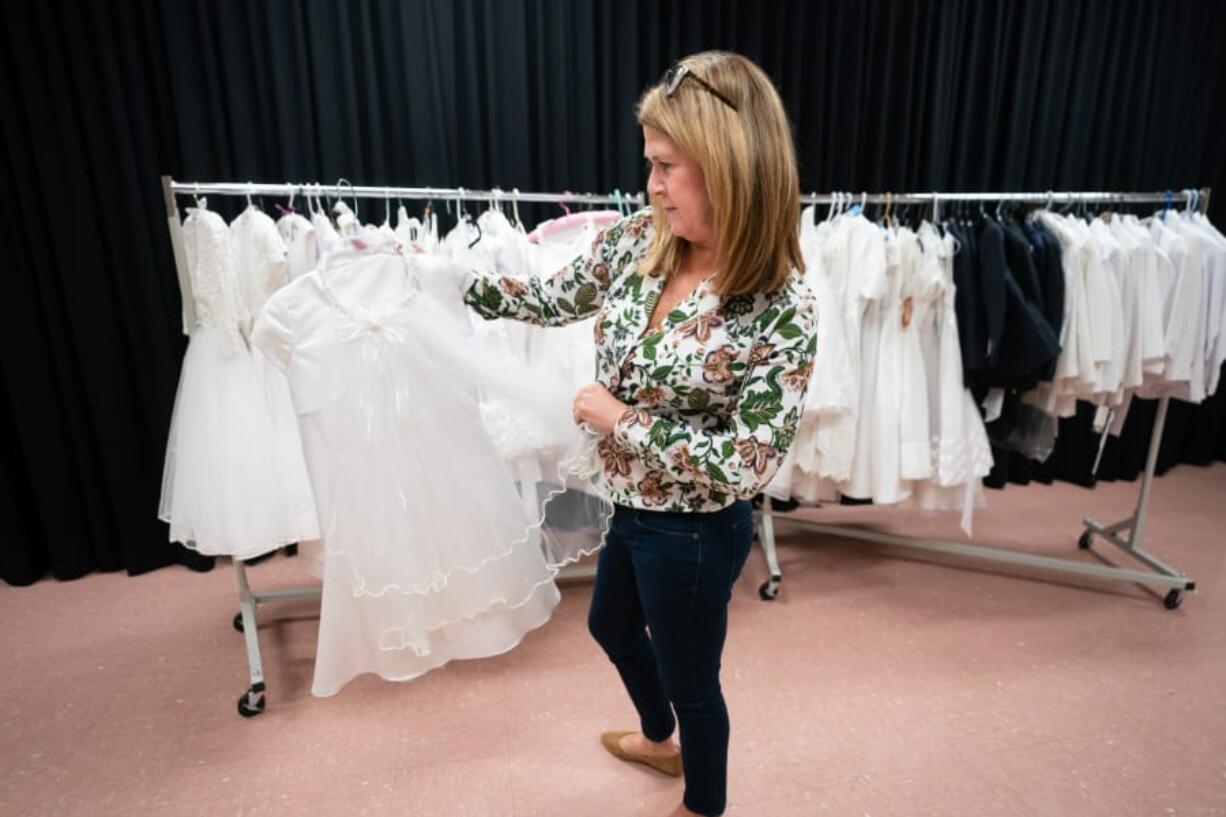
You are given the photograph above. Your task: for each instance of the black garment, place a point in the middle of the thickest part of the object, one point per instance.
(990, 252)
(672, 574)
(1026, 341)
(1050, 269)
(1050, 266)
(968, 303)
(1019, 255)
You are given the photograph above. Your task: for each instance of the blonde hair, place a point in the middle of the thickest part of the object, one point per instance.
(749, 162)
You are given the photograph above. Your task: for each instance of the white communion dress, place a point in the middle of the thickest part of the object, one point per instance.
(234, 483)
(428, 553)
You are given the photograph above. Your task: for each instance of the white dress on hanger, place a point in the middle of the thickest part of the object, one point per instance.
(1184, 328)
(1200, 278)
(1215, 286)
(827, 395)
(223, 489)
(347, 223)
(876, 470)
(408, 230)
(299, 236)
(922, 285)
(531, 443)
(961, 453)
(822, 396)
(428, 551)
(1076, 372)
(572, 348)
(327, 239)
(262, 265)
(260, 256)
(1149, 291)
(851, 255)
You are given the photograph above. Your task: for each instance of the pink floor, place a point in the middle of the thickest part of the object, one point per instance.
(881, 682)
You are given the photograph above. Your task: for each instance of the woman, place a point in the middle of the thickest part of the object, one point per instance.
(705, 338)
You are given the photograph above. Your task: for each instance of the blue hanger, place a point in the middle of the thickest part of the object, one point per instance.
(1169, 198)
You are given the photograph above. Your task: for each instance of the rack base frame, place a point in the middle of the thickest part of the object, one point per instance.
(1159, 574)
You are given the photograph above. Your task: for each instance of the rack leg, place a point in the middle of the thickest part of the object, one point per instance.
(766, 536)
(1135, 524)
(251, 702)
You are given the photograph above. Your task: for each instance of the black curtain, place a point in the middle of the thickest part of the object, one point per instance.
(100, 98)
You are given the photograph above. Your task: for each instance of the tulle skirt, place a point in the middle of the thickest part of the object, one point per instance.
(234, 481)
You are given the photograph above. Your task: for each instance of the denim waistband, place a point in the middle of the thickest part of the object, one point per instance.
(737, 510)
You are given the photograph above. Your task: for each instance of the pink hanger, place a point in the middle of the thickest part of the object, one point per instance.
(557, 225)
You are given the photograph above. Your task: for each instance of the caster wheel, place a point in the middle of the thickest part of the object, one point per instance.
(769, 590)
(238, 622)
(248, 711)
(1083, 543)
(1173, 599)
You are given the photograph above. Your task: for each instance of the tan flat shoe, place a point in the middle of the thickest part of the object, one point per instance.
(670, 765)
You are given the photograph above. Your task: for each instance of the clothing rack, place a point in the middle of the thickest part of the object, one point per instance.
(252, 701)
(1160, 574)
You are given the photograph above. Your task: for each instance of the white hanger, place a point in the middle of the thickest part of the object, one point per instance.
(250, 187)
(515, 206)
(340, 199)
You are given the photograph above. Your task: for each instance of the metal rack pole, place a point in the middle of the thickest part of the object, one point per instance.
(176, 245)
(1052, 196)
(370, 192)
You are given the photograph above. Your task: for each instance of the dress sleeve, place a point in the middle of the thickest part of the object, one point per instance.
(273, 333)
(742, 457)
(571, 294)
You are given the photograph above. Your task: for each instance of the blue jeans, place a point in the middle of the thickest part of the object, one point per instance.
(660, 612)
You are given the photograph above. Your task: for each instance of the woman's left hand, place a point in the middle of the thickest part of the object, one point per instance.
(596, 406)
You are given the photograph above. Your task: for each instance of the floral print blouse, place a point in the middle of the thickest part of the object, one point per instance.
(715, 393)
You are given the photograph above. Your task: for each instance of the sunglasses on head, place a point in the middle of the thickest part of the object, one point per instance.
(674, 76)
